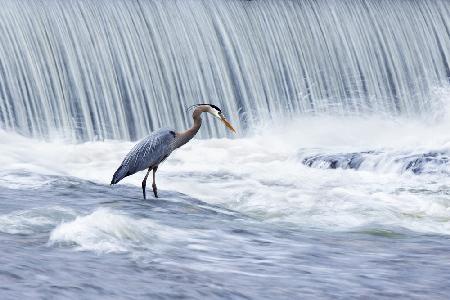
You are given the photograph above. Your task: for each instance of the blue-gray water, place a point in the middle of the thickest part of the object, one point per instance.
(285, 222)
(336, 186)
(200, 250)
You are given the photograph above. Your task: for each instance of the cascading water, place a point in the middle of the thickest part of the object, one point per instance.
(336, 185)
(89, 69)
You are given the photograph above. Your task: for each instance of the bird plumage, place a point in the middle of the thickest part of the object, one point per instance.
(155, 148)
(149, 152)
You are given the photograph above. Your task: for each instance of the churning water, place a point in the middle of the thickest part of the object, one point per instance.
(336, 186)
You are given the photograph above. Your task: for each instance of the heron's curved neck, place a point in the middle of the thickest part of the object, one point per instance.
(182, 138)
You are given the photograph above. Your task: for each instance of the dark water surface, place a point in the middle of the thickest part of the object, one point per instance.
(179, 247)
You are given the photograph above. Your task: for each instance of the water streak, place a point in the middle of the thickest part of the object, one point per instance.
(89, 69)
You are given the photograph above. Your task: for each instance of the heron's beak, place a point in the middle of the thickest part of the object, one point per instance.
(225, 121)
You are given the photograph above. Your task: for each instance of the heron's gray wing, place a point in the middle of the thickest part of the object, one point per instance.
(147, 153)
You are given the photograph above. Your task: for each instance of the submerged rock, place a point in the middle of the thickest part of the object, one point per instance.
(433, 162)
(335, 161)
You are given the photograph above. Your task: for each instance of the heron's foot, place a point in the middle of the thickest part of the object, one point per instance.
(155, 190)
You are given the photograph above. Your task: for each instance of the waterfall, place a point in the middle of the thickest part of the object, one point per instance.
(117, 69)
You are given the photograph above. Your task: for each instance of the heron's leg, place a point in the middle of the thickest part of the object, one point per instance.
(155, 190)
(144, 182)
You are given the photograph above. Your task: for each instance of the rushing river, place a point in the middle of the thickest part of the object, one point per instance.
(336, 186)
(236, 218)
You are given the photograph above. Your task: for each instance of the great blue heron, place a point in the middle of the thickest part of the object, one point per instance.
(155, 148)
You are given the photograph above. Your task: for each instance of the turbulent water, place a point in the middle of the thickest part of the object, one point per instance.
(237, 218)
(337, 184)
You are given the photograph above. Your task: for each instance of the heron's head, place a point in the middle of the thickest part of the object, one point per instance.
(216, 112)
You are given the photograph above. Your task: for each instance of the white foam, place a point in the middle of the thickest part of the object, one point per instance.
(92, 160)
(33, 220)
(107, 230)
(262, 175)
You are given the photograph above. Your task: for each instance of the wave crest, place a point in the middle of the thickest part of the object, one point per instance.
(106, 230)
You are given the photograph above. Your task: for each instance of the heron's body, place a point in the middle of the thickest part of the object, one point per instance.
(154, 149)
(148, 153)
